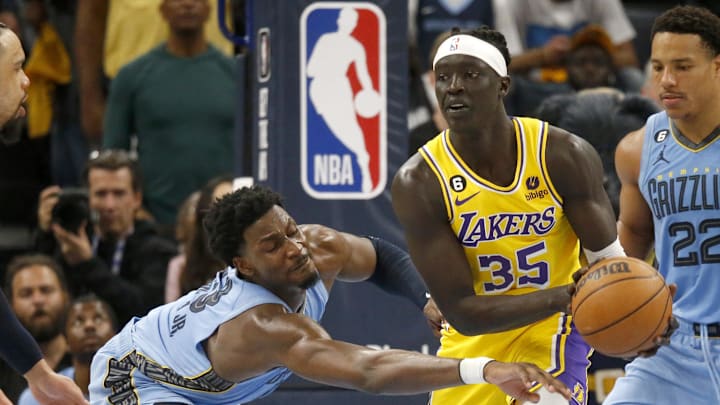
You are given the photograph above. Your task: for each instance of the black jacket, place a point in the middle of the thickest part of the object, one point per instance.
(139, 285)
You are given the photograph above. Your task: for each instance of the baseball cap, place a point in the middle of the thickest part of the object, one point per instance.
(592, 34)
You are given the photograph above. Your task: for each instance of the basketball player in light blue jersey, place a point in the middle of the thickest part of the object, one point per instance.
(237, 338)
(670, 174)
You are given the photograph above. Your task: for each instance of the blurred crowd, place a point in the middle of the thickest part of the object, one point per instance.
(129, 138)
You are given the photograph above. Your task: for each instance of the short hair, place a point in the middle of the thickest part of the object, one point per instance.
(231, 215)
(91, 297)
(19, 263)
(691, 20)
(3, 27)
(113, 160)
(489, 35)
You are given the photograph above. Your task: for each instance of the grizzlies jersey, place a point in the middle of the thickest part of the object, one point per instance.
(680, 181)
(516, 240)
(161, 357)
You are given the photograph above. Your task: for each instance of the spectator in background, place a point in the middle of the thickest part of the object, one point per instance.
(120, 259)
(539, 35)
(178, 99)
(111, 33)
(200, 264)
(430, 18)
(425, 120)
(602, 117)
(589, 64)
(90, 323)
(184, 230)
(38, 295)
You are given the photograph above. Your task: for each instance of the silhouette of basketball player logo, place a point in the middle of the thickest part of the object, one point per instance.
(343, 100)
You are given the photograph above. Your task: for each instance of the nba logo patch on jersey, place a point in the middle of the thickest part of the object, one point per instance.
(343, 114)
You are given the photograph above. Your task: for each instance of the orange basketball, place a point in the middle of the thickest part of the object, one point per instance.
(621, 305)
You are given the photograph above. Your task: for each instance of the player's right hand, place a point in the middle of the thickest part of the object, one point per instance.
(664, 339)
(435, 319)
(516, 380)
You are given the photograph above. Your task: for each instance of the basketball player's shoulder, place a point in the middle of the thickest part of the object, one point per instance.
(566, 146)
(413, 172)
(632, 142)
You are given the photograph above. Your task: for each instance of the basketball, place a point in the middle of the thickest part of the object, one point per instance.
(367, 103)
(621, 305)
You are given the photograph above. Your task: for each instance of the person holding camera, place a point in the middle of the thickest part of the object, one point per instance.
(103, 247)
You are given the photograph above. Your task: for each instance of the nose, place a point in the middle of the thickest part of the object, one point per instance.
(89, 325)
(456, 84)
(25, 82)
(667, 78)
(296, 246)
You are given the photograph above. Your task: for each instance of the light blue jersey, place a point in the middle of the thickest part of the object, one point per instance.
(160, 357)
(680, 182)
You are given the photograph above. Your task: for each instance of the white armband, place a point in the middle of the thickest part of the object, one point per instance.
(472, 371)
(614, 249)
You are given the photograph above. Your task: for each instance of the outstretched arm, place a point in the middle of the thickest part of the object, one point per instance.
(439, 257)
(294, 341)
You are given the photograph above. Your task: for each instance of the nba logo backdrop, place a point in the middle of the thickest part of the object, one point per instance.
(343, 94)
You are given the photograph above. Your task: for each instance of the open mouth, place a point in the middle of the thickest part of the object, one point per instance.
(456, 107)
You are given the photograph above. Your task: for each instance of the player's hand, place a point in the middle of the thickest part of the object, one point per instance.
(664, 339)
(50, 388)
(572, 287)
(4, 400)
(516, 379)
(435, 319)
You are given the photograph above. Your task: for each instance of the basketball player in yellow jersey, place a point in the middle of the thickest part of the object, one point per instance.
(494, 211)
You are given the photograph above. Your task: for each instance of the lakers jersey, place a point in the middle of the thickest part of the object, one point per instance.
(516, 240)
(680, 181)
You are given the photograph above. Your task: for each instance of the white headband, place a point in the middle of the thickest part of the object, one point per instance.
(475, 47)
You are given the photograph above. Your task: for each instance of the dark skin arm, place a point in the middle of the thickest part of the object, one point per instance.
(417, 201)
(281, 339)
(577, 173)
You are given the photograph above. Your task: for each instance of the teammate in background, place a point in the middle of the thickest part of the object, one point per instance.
(670, 175)
(330, 90)
(16, 344)
(492, 210)
(237, 338)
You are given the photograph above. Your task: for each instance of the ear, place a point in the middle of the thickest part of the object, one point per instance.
(243, 267)
(504, 86)
(716, 64)
(137, 199)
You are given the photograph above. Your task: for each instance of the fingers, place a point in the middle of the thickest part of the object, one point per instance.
(549, 382)
(673, 290)
(47, 200)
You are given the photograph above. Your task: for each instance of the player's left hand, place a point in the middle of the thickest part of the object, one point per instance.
(516, 380)
(664, 339)
(435, 319)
